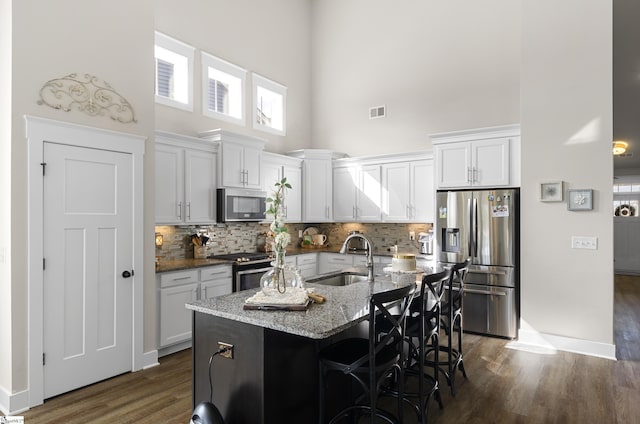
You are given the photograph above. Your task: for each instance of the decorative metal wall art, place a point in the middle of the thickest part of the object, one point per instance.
(89, 94)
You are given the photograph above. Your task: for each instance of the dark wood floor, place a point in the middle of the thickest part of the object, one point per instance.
(505, 385)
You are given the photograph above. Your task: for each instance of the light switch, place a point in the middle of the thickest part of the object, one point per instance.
(584, 242)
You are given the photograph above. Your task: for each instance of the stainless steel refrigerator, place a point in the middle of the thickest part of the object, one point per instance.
(483, 225)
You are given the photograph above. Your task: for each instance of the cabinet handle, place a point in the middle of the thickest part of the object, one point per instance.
(179, 210)
(469, 177)
(475, 174)
(188, 210)
(181, 278)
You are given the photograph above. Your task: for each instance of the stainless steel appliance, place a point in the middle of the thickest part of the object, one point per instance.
(240, 205)
(483, 225)
(426, 243)
(247, 268)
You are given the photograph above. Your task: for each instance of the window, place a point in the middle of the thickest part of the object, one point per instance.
(269, 105)
(223, 89)
(174, 72)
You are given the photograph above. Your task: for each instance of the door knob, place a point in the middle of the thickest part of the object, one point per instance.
(127, 274)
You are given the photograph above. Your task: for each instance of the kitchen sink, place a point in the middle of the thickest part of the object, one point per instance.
(341, 279)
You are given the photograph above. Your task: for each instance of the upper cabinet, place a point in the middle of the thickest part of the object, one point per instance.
(487, 157)
(356, 193)
(185, 179)
(408, 191)
(317, 186)
(240, 159)
(274, 168)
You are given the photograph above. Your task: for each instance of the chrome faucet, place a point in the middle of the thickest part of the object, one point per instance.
(368, 246)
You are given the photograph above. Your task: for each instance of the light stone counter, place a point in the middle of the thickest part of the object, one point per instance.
(345, 307)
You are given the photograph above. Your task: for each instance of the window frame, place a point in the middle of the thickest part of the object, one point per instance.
(260, 81)
(182, 49)
(210, 61)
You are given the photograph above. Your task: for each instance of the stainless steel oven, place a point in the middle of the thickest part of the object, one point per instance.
(247, 268)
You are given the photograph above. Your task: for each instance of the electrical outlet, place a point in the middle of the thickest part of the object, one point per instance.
(228, 353)
(412, 235)
(583, 242)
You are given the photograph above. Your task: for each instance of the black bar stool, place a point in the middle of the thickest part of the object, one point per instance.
(451, 320)
(423, 326)
(371, 362)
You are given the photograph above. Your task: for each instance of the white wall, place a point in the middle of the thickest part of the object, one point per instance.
(437, 66)
(566, 135)
(270, 38)
(113, 41)
(5, 193)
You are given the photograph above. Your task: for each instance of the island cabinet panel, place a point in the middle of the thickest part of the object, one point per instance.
(272, 378)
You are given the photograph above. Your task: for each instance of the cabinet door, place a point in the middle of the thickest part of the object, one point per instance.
(332, 262)
(271, 173)
(422, 191)
(369, 194)
(232, 165)
(215, 288)
(395, 192)
(317, 192)
(169, 180)
(293, 196)
(345, 185)
(491, 162)
(200, 186)
(175, 318)
(252, 162)
(453, 165)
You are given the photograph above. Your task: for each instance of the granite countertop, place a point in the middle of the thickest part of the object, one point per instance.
(345, 307)
(182, 264)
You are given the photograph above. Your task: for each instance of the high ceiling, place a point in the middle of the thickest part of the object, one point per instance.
(626, 82)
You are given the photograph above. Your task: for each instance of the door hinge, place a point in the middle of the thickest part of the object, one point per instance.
(44, 165)
(43, 359)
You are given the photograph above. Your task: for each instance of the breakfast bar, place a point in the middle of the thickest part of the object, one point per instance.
(273, 375)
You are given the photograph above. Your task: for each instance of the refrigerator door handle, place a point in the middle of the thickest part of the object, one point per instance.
(487, 292)
(473, 237)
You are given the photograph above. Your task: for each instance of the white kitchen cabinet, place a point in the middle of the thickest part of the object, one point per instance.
(185, 180)
(240, 158)
(175, 290)
(274, 168)
(307, 264)
(332, 262)
(356, 193)
(487, 157)
(215, 281)
(408, 191)
(317, 191)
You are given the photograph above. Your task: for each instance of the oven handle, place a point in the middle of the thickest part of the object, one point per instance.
(253, 271)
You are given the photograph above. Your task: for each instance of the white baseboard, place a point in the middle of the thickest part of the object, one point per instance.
(12, 404)
(567, 344)
(150, 359)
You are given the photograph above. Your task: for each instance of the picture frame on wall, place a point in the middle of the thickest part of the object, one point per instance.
(551, 191)
(580, 200)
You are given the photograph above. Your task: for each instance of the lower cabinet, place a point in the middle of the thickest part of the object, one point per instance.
(307, 264)
(177, 288)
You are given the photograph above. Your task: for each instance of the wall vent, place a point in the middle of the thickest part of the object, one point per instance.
(377, 112)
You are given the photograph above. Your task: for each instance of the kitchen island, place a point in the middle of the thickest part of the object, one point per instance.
(273, 376)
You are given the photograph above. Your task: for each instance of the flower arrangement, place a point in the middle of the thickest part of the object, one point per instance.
(275, 208)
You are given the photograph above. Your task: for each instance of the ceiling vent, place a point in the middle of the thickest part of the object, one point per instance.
(625, 155)
(377, 112)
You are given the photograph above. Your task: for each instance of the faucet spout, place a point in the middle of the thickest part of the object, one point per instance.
(369, 247)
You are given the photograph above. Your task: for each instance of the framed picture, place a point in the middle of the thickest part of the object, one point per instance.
(580, 200)
(551, 192)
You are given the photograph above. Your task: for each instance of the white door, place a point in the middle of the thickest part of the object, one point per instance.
(88, 244)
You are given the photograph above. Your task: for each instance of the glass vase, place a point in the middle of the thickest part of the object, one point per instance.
(281, 275)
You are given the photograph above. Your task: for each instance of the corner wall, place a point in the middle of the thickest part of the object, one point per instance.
(566, 109)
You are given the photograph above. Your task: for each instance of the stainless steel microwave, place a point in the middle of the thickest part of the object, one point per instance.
(240, 205)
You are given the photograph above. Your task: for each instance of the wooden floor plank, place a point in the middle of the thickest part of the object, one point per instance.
(504, 386)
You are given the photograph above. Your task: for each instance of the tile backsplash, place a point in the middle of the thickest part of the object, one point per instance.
(250, 237)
